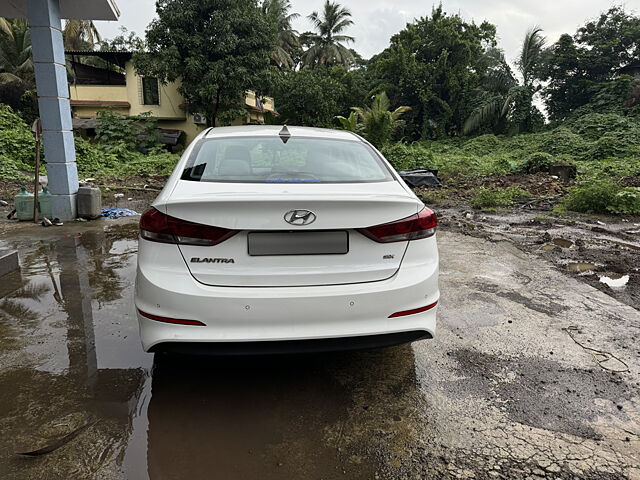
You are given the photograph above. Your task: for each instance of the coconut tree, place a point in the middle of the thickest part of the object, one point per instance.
(80, 35)
(508, 103)
(378, 121)
(16, 63)
(286, 37)
(327, 42)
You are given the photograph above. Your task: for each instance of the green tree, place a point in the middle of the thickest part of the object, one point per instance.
(218, 48)
(16, 62)
(433, 66)
(377, 121)
(125, 41)
(315, 97)
(277, 11)
(578, 67)
(327, 43)
(508, 105)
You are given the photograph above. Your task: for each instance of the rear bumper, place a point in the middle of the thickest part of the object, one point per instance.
(290, 346)
(342, 314)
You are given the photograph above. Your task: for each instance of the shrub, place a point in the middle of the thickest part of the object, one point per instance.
(537, 162)
(98, 160)
(626, 202)
(610, 167)
(483, 145)
(603, 196)
(563, 141)
(16, 140)
(137, 132)
(406, 157)
(595, 125)
(614, 144)
(10, 169)
(491, 198)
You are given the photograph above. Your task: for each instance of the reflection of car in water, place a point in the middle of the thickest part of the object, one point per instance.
(277, 417)
(295, 239)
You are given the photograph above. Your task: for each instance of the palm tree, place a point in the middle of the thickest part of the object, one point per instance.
(16, 63)
(327, 42)
(531, 55)
(377, 121)
(349, 123)
(507, 100)
(287, 38)
(80, 35)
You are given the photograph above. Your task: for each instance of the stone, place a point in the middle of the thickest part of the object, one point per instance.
(8, 261)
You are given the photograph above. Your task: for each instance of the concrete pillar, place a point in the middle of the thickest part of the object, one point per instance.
(53, 103)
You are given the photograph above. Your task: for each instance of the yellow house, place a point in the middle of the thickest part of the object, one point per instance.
(103, 80)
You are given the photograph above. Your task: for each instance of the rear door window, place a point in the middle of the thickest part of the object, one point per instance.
(270, 160)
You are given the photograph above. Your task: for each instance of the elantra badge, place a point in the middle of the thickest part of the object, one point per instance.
(212, 260)
(300, 217)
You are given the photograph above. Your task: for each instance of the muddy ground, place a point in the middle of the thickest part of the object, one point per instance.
(601, 251)
(533, 373)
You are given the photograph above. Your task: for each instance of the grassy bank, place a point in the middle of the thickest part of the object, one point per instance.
(605, 148)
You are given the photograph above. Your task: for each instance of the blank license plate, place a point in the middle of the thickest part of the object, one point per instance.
(298, 243)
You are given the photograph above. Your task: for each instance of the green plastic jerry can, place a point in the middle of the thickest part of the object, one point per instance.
(44, 200)
(24, 205)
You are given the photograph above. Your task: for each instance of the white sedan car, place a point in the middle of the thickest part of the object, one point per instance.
(268, 239)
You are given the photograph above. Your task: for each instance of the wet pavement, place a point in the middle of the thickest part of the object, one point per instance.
(533, 374)
(603, 253)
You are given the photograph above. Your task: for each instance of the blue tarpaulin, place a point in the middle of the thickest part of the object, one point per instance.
(114, 213)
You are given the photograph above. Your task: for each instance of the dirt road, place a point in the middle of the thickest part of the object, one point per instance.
(533, 374)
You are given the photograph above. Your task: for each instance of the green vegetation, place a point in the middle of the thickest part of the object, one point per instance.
(112, 158)
(17, 146)
(327, 43)
(138, 132)
(603, 196)
(100, 160)
(377, 121)
(486, 198)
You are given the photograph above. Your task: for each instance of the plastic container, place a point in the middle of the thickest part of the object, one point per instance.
(44, 201)
(89, 202)
(24, 205)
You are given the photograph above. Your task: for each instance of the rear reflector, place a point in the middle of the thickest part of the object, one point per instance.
(420, 225)
(175, 321)
(411, 312)
(158, 227)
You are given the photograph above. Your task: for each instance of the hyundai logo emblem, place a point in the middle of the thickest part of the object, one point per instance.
(300, 217)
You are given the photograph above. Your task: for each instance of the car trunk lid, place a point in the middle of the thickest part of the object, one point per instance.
(267, 251)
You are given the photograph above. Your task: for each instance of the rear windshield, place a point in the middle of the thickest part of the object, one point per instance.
(270, 160)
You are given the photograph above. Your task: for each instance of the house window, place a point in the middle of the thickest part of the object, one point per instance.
(150, 91)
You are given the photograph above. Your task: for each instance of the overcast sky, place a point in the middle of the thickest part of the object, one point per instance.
(375, 21)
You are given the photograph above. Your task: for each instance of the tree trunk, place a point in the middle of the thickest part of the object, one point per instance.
(214, 113)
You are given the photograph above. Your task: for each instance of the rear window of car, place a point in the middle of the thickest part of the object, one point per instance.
(270, 160)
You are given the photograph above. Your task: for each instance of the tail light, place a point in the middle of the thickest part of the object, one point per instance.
(175, 321)
(413, 311)
(420, 225)
(158, 227)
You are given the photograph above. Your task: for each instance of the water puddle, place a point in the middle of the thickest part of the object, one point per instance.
(615, 281)
(581, 267)
(562, 242)
(68, 331)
